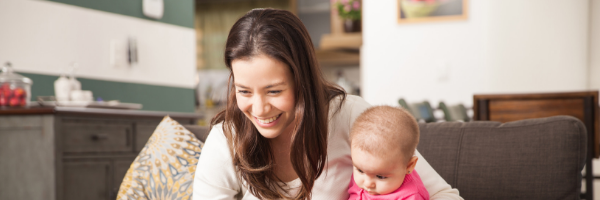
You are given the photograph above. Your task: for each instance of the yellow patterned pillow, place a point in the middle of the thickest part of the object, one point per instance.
(165, 167)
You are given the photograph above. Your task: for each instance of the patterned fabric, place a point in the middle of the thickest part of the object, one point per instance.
(165, 167)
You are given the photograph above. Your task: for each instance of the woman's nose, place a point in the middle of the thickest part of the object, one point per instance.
(260, 106)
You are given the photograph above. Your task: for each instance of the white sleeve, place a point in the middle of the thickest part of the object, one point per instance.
(437, 187)
(357, 105)
(215, 177)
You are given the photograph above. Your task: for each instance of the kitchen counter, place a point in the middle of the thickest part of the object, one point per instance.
(93, 111)
(72, 153)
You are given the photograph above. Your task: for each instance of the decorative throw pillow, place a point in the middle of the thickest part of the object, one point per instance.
(165, 167)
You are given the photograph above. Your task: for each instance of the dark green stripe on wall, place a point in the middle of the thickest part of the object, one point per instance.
(152, 97)
(177, 12)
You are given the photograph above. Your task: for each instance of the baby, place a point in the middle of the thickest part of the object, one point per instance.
(383, 140)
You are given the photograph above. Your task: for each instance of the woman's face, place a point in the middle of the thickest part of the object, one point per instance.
(265, 94)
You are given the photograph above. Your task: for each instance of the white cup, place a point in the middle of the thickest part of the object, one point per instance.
(82, 95)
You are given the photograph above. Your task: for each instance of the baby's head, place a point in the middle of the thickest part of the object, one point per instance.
(383, 141)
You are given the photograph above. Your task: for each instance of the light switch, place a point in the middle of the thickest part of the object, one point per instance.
(153, 8)
(117, 53)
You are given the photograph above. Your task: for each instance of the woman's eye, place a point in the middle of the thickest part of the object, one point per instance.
(381, 177)
(243, 92)
(274, 91)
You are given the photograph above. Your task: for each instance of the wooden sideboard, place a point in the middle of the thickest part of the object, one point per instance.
(581, 105)
(512, 107)
(72, 153)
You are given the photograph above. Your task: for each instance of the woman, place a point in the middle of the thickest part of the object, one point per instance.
(284, 132)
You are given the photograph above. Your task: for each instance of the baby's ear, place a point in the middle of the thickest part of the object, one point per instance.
(411, 164)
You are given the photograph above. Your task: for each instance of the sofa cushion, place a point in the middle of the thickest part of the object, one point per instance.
(165, 167)
(528, 159)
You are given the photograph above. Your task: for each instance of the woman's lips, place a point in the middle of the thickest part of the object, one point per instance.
(269, 122)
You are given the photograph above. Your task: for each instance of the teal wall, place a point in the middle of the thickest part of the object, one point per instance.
(177, 12)
(152, 97)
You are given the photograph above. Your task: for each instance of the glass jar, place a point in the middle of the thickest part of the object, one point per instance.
(15, 90)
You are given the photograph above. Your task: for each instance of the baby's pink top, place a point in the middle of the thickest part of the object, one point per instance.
(411, 189)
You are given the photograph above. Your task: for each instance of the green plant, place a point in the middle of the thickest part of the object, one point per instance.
(348, 9)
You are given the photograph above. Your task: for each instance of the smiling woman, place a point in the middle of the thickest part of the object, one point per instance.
(276, 77)
(284, 132)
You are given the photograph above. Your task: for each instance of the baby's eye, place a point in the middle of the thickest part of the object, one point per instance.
(359, 170)
(381, 177)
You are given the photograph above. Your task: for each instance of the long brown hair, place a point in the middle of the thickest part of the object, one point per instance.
(280, 35)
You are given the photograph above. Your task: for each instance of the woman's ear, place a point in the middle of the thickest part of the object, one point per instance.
(411, 164)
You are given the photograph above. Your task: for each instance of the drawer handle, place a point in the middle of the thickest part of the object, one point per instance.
(127, 136)
(97, 137)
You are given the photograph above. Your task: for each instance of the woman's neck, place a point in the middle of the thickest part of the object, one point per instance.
(281, 148)
(283, 142)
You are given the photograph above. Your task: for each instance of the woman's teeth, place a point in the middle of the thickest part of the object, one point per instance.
(266, 121)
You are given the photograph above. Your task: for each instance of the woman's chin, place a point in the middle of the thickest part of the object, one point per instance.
(270, 133)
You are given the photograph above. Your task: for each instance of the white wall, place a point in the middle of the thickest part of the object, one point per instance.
(594, 55)
(43, 37)
(505, 46)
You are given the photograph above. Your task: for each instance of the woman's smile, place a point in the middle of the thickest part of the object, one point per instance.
(267, 122)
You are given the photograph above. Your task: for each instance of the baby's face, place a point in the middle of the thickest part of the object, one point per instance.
(376, 174)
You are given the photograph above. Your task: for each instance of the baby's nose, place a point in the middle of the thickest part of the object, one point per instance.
(370, 184)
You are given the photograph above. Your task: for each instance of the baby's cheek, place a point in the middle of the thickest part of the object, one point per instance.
(357, 180)
(388, 186)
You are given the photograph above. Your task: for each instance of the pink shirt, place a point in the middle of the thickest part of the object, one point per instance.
(411, 189)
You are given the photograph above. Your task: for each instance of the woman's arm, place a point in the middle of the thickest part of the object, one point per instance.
(215, 177)
(436, 186)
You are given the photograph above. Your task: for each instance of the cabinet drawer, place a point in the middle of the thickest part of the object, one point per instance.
(143, 130)
(143, 133)
(84, 136)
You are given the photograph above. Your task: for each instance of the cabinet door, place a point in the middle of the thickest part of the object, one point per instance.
(86, 180)
(121, 167)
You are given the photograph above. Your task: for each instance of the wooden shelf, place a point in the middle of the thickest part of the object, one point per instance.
(340, 49)
(332, 58)
(351, 41)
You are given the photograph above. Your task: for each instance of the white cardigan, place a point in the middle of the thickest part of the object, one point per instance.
(216, 179)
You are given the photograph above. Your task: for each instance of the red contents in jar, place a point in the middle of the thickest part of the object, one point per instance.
(3, 100)
(14, 102)
(23, 102)
(5, 90)
(19, 92)
(14, 98)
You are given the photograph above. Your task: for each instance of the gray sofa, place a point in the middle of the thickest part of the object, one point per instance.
(528, 159)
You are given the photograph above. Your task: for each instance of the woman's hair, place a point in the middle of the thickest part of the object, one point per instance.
(280, 35)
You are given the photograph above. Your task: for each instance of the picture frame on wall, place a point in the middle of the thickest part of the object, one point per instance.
(419, 11)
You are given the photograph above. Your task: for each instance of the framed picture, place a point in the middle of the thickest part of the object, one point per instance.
(417, 11)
